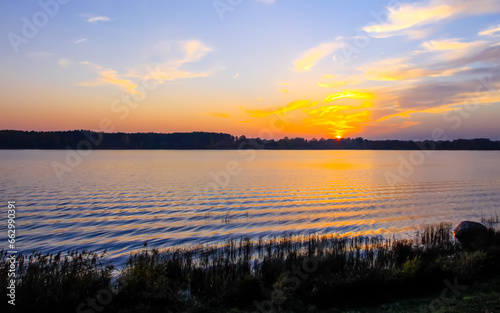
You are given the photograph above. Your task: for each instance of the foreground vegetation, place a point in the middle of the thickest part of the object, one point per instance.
(432, 273)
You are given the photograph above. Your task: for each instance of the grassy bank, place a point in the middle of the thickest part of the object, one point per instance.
(287, 274)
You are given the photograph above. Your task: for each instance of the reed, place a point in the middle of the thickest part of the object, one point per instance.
(324, 270)
(57, 281)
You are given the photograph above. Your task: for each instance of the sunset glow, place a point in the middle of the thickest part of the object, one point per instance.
(329, 69)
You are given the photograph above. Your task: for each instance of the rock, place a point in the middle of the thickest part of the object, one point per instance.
(471, 234)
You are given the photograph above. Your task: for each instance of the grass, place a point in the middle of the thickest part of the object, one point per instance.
(287, 274)
(55, 281)
(478, 297)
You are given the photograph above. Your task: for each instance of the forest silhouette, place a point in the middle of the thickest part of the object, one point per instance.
(84, 139)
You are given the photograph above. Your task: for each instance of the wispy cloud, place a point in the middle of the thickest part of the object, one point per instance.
(409, 18)
(447, 44)
(82, 40)
(169, 70)
(110, 76)
(64, 63)
(492, 31)
(267, 1)
(195, 50)
(97, 19)
(399, 68)
(415, 101)
(301, 104)
(312, 56)
(439, 58)
(334, 81)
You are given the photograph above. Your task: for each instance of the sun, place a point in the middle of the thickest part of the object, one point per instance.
(338, 137)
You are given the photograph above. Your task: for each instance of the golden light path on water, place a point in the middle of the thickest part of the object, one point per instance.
(118, 200)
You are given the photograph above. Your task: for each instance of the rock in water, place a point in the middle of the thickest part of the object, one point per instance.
(471, 234)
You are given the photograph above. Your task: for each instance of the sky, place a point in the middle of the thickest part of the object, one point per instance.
(267, 68)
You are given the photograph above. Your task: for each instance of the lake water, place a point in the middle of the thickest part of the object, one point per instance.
(118, 200)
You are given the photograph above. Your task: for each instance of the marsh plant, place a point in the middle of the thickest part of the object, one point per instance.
(242, 274)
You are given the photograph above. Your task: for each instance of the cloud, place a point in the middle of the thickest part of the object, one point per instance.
(445, 58)
(492, 31)
(170, 70)
(110, 77)
(339, 120)
(97, 19)
(64, 63)
(301, 104)
(409, 18)
(82, 40)
(338, 81)
(309, 58)
(195, 50)
(267, 1)
(453, 49)
(481, 87)
(447, 44)
(217, 114)
(392, 69)
(236, 75)
(338, 114)
(351, 94)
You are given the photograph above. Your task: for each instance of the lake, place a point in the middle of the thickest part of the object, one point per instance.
(118, 200)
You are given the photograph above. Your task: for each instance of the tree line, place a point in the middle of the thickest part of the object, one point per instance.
(15, 139)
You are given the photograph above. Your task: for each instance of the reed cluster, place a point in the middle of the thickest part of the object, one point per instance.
(292, 272)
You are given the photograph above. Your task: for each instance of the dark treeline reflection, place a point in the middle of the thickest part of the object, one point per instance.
(82, 139)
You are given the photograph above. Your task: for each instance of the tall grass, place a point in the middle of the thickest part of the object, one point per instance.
(324, 270)
(57, 281)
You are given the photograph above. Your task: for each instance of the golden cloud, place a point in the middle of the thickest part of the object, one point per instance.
(492, 31)
(403, 19)
(309, 59)
(301, 104)
(217, 114)
(110, 76)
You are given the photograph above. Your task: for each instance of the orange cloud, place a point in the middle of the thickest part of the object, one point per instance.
(352, 94)
(301, 104)
(217, 114)
(341, 120)
(339, 114)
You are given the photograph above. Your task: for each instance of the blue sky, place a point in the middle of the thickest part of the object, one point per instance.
(376, 69)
